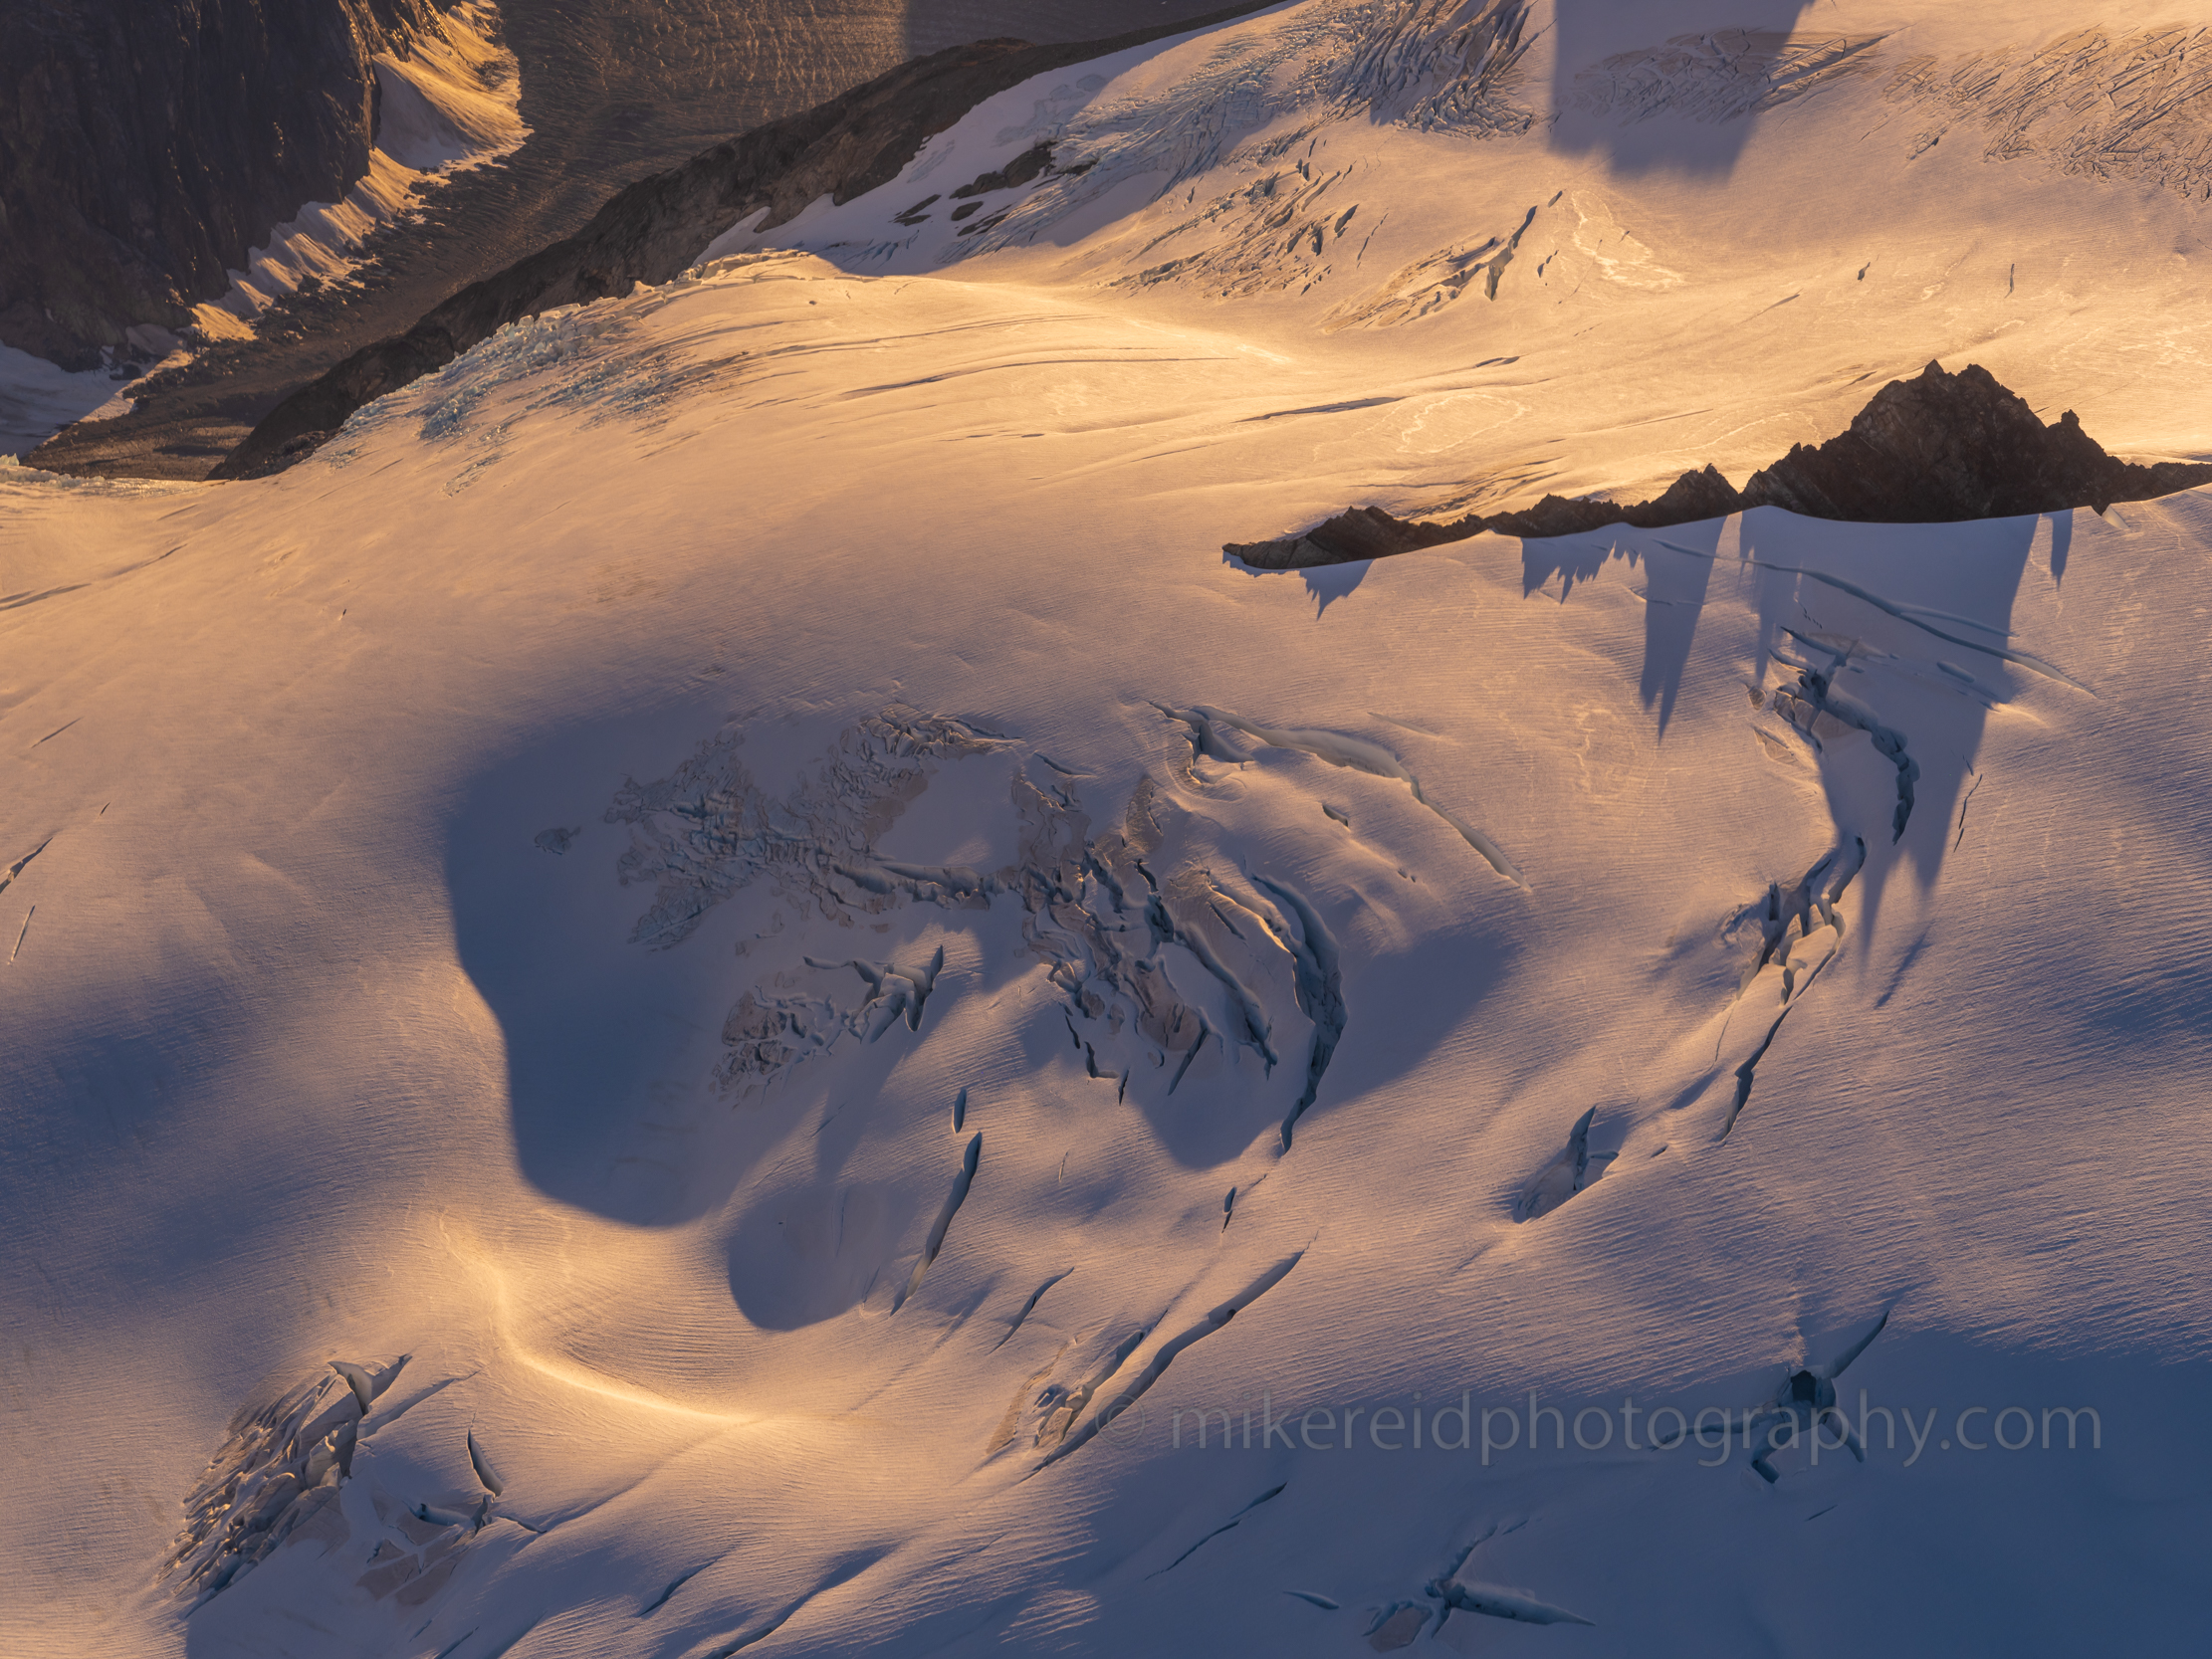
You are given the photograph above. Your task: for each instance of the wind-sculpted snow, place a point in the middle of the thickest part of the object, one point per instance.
(1724, 76)
(569, 359)
(1446, 66)
(1069, 1429)
(1338, 750)
(1398, 1624)
(1273, 234)
(277, 1476)
(1429, 285)
(709, 828)
(1565, 1175)
(1816, 709)
(1156, 955)
(2097, 103)
(926, 1068)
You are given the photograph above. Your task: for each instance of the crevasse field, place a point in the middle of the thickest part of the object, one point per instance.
(731, 908)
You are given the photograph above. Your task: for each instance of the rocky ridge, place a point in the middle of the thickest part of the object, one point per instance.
(613, 92)
(1933, 450)
(143, 149)
(657, 227)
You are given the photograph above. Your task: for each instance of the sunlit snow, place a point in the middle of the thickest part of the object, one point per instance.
(715, 983)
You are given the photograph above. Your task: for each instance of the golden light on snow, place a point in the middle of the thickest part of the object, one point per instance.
(737, 874)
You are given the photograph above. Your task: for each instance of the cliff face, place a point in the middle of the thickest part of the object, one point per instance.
(656, 227)
(147, 144)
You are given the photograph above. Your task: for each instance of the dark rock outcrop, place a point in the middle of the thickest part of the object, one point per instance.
(147, 144)
(1933, 450)
(613, 92)
(1028, 165)
(1947, 447)
(657, 227)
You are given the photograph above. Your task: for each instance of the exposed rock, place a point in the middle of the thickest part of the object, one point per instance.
(660, 225)
(1933, 450)
(1021, 171)
(1947, 447)
(613, 90)
(144, 147)
(290, 451)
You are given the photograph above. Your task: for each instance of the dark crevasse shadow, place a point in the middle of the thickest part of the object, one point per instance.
(1675, 84)
(1892, 641)
(834, 1224)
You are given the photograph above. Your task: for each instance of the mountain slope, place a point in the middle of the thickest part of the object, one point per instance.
(733, 874)
(611, 90)
(150, 150)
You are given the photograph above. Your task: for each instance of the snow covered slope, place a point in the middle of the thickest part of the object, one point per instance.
(735, 877)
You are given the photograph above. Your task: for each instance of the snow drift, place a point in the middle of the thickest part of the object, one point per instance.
(916, 1063)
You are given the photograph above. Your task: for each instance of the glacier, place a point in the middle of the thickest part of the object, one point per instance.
(716, 986)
